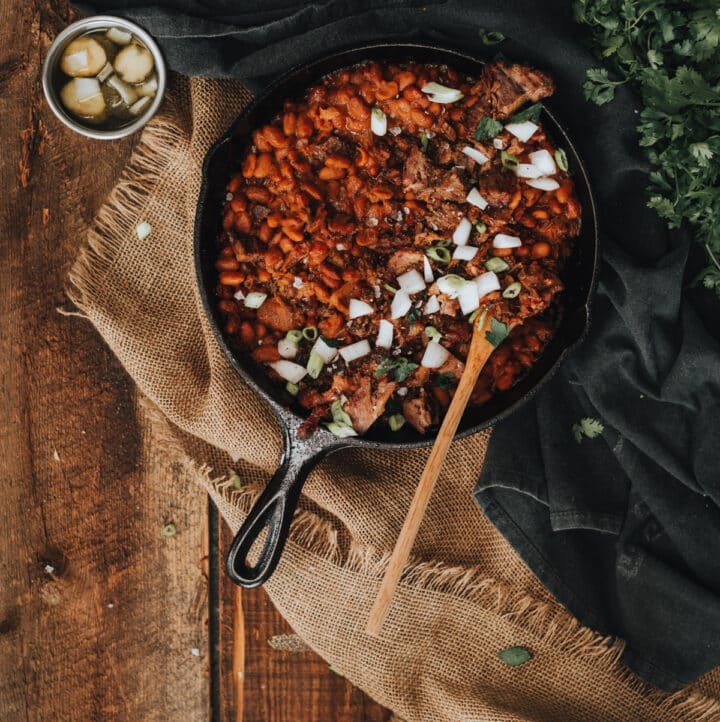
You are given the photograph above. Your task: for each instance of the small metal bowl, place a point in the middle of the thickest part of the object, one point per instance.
(50, 67)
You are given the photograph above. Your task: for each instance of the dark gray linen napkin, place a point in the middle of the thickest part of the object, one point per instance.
(623, 528)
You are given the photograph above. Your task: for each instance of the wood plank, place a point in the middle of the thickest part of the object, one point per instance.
(98, 613)
(280, 684)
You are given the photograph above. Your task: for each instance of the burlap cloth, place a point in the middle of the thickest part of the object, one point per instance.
(466, 594)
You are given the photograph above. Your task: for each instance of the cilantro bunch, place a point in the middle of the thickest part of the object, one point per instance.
(670, 50)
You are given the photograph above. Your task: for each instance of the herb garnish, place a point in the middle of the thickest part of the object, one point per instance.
(531, 113)
(445, 381)
(509, 160)
(491, 37)
(424, 138)
(587, 427)
(498, 332)
(514, 656)
(332, 342)
(413, 316)
(671, 52)
(487, 128)
(397, 368)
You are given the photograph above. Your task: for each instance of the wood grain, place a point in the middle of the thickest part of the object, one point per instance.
(283, 684)
(98, 614)
(479, 353)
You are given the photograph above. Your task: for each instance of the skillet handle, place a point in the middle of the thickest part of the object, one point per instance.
(275, 508)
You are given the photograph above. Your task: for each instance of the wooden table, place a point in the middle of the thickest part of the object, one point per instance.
(100, 616)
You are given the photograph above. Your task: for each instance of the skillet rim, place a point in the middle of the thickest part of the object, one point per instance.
(287, 416)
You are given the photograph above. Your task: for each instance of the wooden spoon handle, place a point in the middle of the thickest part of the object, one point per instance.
(480, 350)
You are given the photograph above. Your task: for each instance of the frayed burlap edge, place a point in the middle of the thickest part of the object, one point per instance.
(548, 624)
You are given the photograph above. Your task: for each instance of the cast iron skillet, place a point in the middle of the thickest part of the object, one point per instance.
(275, 507)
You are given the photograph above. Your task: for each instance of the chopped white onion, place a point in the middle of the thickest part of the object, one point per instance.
(378, 122)
(475, 154)
(465, 253)
(527, 170)
(327, 353)
(462, 232)
(401, 304)
(286, 348)
(238, 295)
(255, 299)
(544, 184)
(544, 162)
(395, 130)
(487, 283)
(450, 285)
(432, 306)
(441, 93)
(522, 131)
(498, 143)
(143, 230)
(411, 281)
(502, 240)
(385, 334)
(376, 291)
(289, 370)
(469, 298)
(298, 282)
(435, 355)
(402, 391)
(476, 199)
(427, 270)
(355, 351)
(359, 308)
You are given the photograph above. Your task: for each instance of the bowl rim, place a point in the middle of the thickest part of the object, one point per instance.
(74, 30)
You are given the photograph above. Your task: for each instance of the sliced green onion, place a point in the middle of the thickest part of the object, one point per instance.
(561, 159)
(496, 265)
(451, 284)
(396, 421)
(512, 291)
(439, 254)
(432, 333)
(314, 365)
(424, 142)
(295, 336)
(388, 287)
(509, 161)
(445, 243)
(292, 388)
(478, 313)
(340, 416)
(310, 333)
(341, 430)
(480, 227)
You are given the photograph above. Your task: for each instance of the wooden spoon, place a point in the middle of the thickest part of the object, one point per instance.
(480, 350)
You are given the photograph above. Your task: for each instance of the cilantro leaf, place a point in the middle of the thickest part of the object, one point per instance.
(487, 128)
(531, 113)
(514, 656)
(670, 53)
(445, 381)
(587, 427)
(491, 37)
(498, 332)
(397, 368)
